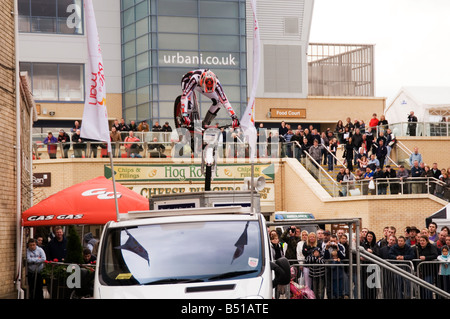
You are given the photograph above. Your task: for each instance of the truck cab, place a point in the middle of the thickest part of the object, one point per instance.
(199, 252)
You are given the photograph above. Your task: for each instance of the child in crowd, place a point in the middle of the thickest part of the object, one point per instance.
(444, 269)
(316, 273)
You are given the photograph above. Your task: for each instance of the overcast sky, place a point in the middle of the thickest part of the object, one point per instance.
(411, 38)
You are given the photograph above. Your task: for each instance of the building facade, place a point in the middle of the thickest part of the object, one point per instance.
(163, 40)
(53, 50)
(148, 45)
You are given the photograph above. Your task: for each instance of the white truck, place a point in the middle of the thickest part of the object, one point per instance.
(187, 253)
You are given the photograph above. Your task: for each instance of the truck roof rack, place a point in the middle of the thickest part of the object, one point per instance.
(227, 210)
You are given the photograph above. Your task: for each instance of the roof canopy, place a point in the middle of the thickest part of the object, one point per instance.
(88, 203)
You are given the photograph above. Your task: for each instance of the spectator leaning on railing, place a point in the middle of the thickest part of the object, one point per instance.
(79, 144)
(64, 138)
(51, 141)
(116, 138)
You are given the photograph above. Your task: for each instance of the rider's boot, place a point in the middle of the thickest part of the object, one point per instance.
(209, 117)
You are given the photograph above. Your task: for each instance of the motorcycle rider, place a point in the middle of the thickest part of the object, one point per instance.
(205, 82)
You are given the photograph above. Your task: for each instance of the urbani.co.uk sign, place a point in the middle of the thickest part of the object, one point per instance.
(185, 172)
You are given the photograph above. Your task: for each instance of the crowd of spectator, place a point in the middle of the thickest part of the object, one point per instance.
(307, 251)
(52, 247)
(119, 134)
(366, 156)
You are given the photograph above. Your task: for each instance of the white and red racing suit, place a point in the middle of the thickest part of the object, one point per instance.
(189, 84)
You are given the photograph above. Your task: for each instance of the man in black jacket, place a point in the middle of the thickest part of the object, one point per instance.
(391, 173)
(57, 247)
(291, 237)
(412, 124)
(356, 143)
(401, 251)
(381, 153)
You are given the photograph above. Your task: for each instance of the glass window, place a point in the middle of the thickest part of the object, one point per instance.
(129, 49)
(129, 98)
(141, 27)
(24, 7)
(130, 114)
(178, 24)
(43, 8)
(166, 109)
(129, 66)
(56, 82)
(177, 8)
(219, 9)
(141, 10)
(143, 78)
(169, 92)
(228, 77)
(51, 16)
(171, 75)
(143, 111)
(143, 95)
(175, 41)
(45, 81)
(218, 26)
(222, 43)
(128, 16)
(129, 33)
(71, 82)
(142, 44)
(162, 246)
(142, 61)
(127, 4)
(130, 82)
(43, 24)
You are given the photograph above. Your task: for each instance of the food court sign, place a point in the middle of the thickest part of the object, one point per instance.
(185, 172)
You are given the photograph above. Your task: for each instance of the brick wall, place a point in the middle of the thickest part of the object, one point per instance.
(7, 141)
(433, 149)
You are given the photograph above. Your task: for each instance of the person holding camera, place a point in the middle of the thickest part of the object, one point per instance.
(291, 237)
(412, 124)
(333, 245)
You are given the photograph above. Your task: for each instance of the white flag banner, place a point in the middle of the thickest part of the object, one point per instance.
(95, 117)
(248, 119)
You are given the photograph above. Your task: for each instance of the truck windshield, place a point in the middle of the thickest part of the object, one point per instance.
(181, 252)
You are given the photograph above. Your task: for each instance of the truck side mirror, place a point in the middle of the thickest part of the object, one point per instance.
(282, 271)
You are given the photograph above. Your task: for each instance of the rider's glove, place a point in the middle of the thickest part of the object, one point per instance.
(186, 119)
(235, 121)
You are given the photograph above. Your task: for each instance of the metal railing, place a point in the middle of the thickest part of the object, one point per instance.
(320, 174)
(54, 283)
(378, 279)
(423, 129)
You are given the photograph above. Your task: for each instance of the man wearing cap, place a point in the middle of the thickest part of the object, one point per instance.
(323, 243)
(412, 240)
